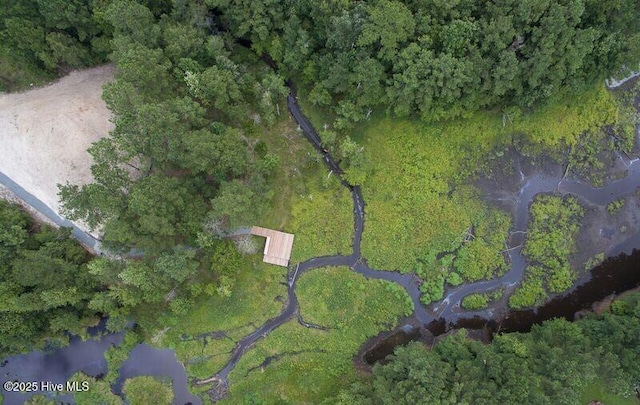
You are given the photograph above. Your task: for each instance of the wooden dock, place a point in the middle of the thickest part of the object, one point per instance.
(277, 249)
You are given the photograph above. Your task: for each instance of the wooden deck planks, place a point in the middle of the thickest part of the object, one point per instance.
(277, 249)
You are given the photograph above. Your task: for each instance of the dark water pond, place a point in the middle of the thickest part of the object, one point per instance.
(614, 276)
(388, 344)
(57, 366)
(146, 360)
(88, 356)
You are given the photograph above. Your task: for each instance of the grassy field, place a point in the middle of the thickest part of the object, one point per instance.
(257, 296)
(307, 201)
(316, 209)
(422, 213)
(598, 391)
(414, 206)
(322, 219)
(562, 123)
(295, 364)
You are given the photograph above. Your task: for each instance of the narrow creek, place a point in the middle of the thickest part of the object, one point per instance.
(447, 313)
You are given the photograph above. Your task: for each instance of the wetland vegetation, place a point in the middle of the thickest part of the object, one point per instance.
(422, 104)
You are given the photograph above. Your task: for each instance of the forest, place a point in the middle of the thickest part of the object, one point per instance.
(416, 99)
(558, 362)
(45, 285)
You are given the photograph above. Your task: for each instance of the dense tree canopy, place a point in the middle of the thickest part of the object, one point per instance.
(44, 284)
(45, 37)
(439, 59)
(178, 153)
(550, 365)
(178, 168)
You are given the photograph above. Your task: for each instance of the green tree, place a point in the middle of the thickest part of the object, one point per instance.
(235, 205)
(133, 21)
(147, 390)
(551, 364)
(148, 69)
(44, 286)
(390, 24)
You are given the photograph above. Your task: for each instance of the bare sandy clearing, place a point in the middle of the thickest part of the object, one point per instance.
(45, 133)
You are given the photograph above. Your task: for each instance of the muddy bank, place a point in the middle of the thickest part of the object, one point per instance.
(512, 187)
(599, 307)
(616, 275)
(620, 274)
(376, 349)
(507, 184)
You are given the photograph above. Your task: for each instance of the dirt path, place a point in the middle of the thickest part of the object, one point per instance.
(45, 133)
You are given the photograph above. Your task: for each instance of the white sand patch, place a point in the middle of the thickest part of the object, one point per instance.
(45, 133)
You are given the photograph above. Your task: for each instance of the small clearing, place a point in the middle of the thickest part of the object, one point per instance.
(45, 132)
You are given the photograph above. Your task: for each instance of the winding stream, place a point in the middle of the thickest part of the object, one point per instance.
(447, 310)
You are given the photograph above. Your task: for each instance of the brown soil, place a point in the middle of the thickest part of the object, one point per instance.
(599, 307)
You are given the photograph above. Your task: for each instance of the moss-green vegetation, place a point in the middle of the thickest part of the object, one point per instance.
(145, 390)
(478, 256)
(416, 205)
(551, 233)
(322, 218)
(475, 301)
(562, 122)
(481, 300)
(117, 355)
(295, 163)
(315, 364)
(587, 157)
(593, 150)
(594, 261)
(257, 296)
(614, 206)
(624, 131)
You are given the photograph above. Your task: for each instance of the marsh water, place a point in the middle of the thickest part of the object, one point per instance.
(615, 275)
